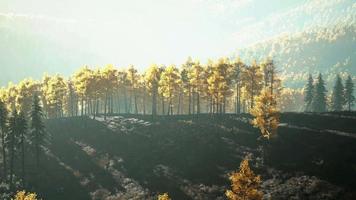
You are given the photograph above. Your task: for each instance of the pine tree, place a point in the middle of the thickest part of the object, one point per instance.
(266, 114)
(337, 98)
(169, 84)
(252, 82)
(13, 142)
(3, 129)
(244, 184)
(309, 93)
(22, 131)
(319, 98)
(349, 89)
(38, 133)
(152, 78)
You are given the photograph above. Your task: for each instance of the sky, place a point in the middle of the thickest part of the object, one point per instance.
(59, 36)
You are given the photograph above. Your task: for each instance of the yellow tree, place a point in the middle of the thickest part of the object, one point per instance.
(196, 81)
(169, 85)
(164, 196)
(252, 81)
(22, 195)
(186, 86)
(109, 85)
(152, 77)
(238, 67)
(219, 81)
(266, 115)
(81, 81)
(124, 84)
(133, 78)
(54, 93)
(244, 184)
(25, 91)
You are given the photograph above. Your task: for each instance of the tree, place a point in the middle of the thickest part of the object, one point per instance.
(266, 114)
(169, 84)
(164, 196)
(309, 93)
(133, 78)
(13, 142)
(195, 76)
(25, 89)
(81, 81)
(349, 90)
(22, 195)
(252, 81)
(38, 132)
(54, 93)
(337, 98)
(152, 77)
(22, 132)
(186, 67)
(244, 184)
(219, 81)
(3, 129)
(319, 98)
(238, 68)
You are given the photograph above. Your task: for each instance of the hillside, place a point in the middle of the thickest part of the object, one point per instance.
(318, 36)
(326, 50)
(189, 157)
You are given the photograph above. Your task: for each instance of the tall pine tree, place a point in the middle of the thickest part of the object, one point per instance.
(349, 89)
(308, 92)
(319, 98)
(38, 133)
(337, 98)
(3, 129)
(21, 125)
(13, 141)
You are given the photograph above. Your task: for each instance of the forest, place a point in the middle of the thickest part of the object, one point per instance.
(220, 88)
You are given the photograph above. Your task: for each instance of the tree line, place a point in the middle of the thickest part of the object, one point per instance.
(219, 86)
(341, 98)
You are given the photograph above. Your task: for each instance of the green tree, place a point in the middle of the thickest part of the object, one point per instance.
(337, 98)
(319, 98)
(3, 129)
(22, 132)
(13, 142)
(37, 129)
(309, 93)
(349, 90)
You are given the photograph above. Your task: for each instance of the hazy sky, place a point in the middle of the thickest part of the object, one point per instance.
(59, 35)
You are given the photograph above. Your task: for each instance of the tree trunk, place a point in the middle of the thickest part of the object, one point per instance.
(190, 101)
(12, 159)
(154, 102)
(198, 103)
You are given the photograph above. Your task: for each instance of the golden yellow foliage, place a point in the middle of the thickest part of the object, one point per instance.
(21, 195)
(266, 114)
(163, 197)
(244, 184)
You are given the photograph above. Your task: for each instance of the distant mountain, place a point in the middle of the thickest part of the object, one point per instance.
(328, 47)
